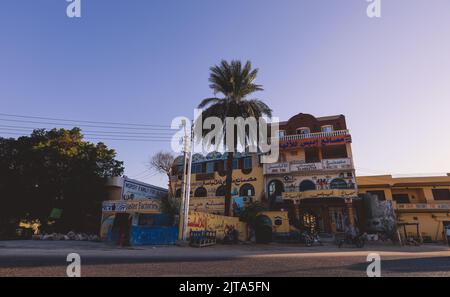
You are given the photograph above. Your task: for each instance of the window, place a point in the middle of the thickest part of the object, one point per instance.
(303, 130)
(338, 183)
(307, 185)
(281, 133)
(334, 151)
(400, 198)
(276, 188)
(197, 168)
(210, 167)
(200, 192)
(441, 194)
(248, 163)
(380, 194)
(327, 128)
(312, 155)
(220, 191)
(235, 164)
(247, 190)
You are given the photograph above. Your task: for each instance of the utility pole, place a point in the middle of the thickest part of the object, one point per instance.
(186, 185)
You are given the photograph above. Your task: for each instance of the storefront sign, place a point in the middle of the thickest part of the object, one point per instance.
(345, 163)
(132, 190)
(320, 194)
(141, 206)
(426, 206)
(276, 168)
(297, 166)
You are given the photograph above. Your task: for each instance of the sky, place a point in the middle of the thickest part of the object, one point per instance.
(147, 61)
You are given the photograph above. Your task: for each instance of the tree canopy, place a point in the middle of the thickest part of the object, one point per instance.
(55, 169)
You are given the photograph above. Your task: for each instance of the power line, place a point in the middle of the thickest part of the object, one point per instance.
(83, 125)
(105, 133)
(83, 121)
(10, 127)
(106, 138)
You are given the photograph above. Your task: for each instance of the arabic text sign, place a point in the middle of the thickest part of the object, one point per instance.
(320, 194)
(302, 143)
(345, 163)
(305, 166)
(276, 168)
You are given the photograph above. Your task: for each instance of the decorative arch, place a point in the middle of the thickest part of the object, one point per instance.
(200, 192)
(247, 190)
(307, 185)
(275, 189)
(220, 191)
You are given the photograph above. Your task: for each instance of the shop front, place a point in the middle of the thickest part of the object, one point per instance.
(326, 211)
(138, 222)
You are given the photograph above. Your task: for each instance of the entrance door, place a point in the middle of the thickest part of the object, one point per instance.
(121, 229)
(310, 222)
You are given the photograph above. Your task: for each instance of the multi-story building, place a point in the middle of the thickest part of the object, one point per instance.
(419, 202)
(315, 175)
(208, 180)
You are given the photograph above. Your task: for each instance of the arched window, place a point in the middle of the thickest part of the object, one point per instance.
(178, 193)
(275, 189)
(307, 185)
(200, 192)
(220, 191)
(247, 190)
(338, 183)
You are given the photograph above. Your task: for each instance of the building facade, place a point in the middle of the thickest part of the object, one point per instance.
(208, 180)
(315, 175)
(417, 201)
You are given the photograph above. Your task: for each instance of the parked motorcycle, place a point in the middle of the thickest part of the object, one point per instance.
(359, 241)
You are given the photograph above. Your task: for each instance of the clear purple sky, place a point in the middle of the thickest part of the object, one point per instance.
(146, 61)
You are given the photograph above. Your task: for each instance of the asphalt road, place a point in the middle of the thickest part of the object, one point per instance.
(47, 258)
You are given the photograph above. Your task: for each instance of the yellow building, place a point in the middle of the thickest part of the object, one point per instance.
(208, 180)
(422, 200)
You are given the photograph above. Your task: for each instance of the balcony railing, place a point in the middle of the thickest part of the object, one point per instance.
(315, 135)
(296, 166)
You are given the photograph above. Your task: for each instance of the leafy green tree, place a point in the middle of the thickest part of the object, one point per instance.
(235, 83)
(55, 169)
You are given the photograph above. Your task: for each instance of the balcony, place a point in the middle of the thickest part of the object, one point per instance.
(315, 135)
(298, 166)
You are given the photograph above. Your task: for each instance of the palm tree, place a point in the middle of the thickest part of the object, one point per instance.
(235, 83)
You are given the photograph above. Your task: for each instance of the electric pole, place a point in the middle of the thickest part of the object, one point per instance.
(186, 184)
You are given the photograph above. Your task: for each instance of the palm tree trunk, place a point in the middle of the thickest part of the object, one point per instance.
(228, 184)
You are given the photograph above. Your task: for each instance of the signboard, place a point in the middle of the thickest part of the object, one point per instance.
(298, 166)
(209, 205)
(315, 142)
(133, 190)
(276, 168)
(141, 206)
(418, 206)
(320, 194)
(345, 163)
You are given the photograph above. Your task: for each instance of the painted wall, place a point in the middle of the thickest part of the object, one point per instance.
(198, 221)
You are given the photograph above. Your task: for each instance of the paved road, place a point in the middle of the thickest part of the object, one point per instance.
(46, 258)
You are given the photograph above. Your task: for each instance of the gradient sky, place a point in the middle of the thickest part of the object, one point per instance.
(147, 61)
